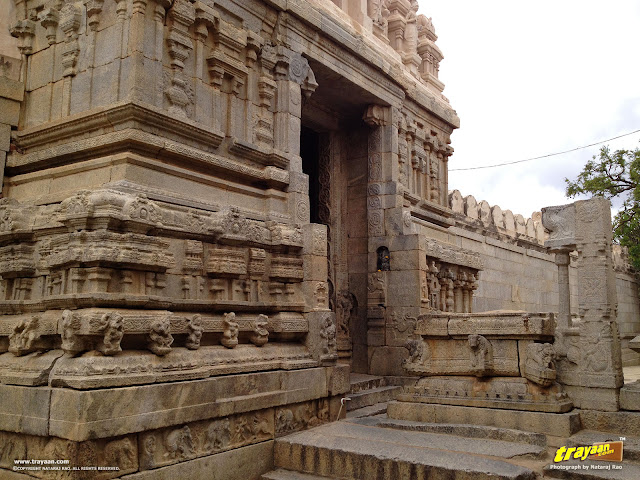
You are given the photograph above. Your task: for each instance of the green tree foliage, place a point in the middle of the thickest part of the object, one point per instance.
(612, 175)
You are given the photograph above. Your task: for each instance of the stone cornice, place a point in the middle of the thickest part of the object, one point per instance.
(145, 117)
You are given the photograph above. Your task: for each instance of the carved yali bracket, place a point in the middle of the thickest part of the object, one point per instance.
(561, 223)
(260, 334)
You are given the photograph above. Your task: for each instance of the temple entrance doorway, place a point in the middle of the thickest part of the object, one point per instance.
(334, 151)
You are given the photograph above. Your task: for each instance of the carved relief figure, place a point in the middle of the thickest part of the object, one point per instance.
(376, 288)
(71, 342)
(328, 333)
(218, 435)
(24, 336)
(179, 443)
(231, 328)
(346, 306)
(113, 326)
(194, 324)
(481, 355)
(160, 338)
(260, 334)
(416, 348)
(540, 365)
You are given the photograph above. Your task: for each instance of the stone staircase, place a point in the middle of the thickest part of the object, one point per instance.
(369, 445)
(369, 395)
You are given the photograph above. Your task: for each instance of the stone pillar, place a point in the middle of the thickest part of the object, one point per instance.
(564, 291)
(590, 363)
(293, 78)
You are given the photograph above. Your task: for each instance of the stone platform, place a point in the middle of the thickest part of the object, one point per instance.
(379, 447)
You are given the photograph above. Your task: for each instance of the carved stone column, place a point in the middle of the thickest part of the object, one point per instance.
(590, 363)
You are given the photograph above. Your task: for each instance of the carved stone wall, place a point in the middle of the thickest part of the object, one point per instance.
(155, 231)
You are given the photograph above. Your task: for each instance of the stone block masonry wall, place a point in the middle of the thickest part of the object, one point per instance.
(11, 94)
(628, 304)
(518, 273)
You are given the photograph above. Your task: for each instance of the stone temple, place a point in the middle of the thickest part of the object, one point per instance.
(220, 218)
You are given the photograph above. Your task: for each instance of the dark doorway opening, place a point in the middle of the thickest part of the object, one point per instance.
(309, 151)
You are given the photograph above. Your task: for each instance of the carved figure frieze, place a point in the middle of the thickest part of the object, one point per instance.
(179, 443)
(160, 338)
(301, 416)
(230, 335)
(418, 354)
(218, 435)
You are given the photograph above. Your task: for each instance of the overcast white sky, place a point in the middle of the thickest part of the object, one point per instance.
(532, 78)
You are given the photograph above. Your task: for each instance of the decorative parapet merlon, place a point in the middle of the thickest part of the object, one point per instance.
(481, 213)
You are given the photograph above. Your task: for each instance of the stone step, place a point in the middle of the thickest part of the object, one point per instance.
(362, 381)
(557, 424)
(372, 396)
(370, 411)
(461, 430)
(619, 423)
(631, 447)
(351, 451)
(282, 474)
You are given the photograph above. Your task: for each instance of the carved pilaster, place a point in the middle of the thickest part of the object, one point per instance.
(49, 20)
(70, 20)
(182, 15)
(24, 31)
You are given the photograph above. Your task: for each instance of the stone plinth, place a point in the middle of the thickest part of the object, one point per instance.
(491, 359)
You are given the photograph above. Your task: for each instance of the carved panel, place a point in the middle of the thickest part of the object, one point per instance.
(227, 261)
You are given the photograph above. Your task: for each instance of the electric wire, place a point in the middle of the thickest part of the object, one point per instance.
(542, 156)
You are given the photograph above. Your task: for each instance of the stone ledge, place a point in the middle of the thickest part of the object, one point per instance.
(557, 424)
(84, 415)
